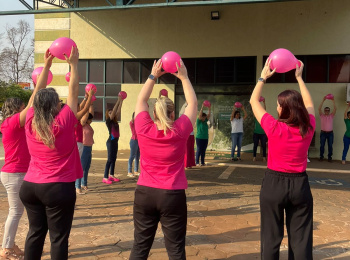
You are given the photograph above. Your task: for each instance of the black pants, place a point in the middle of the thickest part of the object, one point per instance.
(50, 206)
(201, 148)
(263, 140)
(152, 205)
(112, 151)
(291, 193)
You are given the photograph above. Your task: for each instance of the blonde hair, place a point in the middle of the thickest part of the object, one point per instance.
(45, 110)
(162, 111)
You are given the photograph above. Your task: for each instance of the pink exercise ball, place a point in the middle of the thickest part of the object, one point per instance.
(62, 46)
(261, 99)
(169, 60)
(238, 104)
(164, 92)
(68, 76)
(283, 60)
(93, 98)
(36, 73)
(329, 96)
(206, 103)
(123, 94)
(90, 86)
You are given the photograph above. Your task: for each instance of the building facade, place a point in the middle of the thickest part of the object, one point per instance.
(224, 57)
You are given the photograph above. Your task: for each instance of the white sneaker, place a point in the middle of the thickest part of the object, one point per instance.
(136, 174)
(130, 174)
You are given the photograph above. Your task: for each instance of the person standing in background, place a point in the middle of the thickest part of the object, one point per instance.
(134, 150)
(326, 129)
(346, 138)
(202, 135)
(259, 135)
(237, 132)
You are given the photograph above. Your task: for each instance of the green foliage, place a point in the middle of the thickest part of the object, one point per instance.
(8, 90)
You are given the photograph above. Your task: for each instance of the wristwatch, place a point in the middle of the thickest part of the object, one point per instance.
(262, 80)
(151, 77)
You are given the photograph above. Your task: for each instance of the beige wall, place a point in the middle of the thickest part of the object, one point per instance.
(304, 27)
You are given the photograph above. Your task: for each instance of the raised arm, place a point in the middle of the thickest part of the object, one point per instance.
(145, 93)
(320, 106)
(41, 83)
(257, 108)
(309, 104)
(190, 95)
(72, 99)
(233, 113)
(200, 113)
(346, 110)
(209, 113)
(116, 107)
(245, 113)
(119, 109)
(86, 106)
(334, 108)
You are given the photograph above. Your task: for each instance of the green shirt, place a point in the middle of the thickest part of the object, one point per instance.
(202, 129)
(347, 123)
(257, 128)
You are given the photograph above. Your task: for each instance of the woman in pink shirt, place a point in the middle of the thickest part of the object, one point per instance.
(17, 160)
(285, 186)
(88, 141)
(134, 150)
(48, 191)
(160, 192)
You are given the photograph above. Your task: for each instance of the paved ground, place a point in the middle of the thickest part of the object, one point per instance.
(223, 212)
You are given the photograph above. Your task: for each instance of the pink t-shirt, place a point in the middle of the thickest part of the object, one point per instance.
(78, 132)
(61, 164)
(17, 156)
(88, 135)
(133, 132)
(162, 156)
(327, 122)
(287, 148)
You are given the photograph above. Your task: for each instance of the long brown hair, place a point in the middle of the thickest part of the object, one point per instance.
(294, 112)
(45, 110)
(115, 119)
(11, 106)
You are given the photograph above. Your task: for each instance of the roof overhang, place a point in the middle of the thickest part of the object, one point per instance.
(73, 5)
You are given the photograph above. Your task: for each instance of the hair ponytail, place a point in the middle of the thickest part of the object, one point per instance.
(162, 110)
(45, 110)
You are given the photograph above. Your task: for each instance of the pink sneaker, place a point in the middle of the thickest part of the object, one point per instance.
(106, 181)
(112, 178)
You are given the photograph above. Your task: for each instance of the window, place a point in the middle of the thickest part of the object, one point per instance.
(318, 69)
(208, 75)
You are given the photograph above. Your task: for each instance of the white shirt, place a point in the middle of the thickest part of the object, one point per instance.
(237, 125)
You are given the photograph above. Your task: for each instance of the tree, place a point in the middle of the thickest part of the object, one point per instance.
(16, 60)
(13, 90)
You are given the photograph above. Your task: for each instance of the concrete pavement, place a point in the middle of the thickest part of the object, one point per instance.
(223, 212)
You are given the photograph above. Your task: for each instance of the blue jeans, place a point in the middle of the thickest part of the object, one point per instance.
(346, 141)
(236, 141)
(134, 154)
(85, 163)
(201, 148)
(329, 137)
(112, 150)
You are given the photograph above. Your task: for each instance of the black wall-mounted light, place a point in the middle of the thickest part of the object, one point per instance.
(215, 15)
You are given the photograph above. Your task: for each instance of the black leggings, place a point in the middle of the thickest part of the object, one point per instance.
(289, 192)
(202, 145)
(49, 206)
(152, 205)
(112, 151)
(263, 141)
